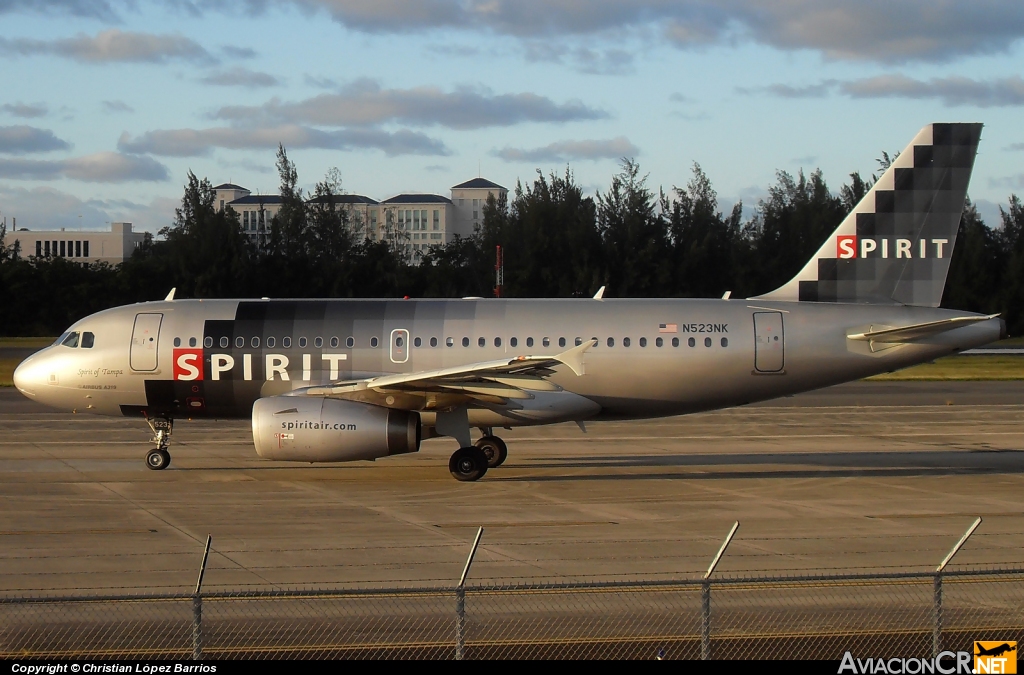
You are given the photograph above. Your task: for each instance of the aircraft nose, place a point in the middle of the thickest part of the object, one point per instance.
(28, 376)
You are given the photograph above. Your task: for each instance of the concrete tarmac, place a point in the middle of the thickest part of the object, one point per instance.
(860, 477)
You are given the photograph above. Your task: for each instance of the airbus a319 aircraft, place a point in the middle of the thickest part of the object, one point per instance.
(339, 380)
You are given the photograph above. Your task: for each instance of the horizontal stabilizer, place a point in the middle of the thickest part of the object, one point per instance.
(918, 331)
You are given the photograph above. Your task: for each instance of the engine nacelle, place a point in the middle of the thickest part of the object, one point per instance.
(310, 429)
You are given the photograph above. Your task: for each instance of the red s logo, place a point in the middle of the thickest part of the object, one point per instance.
(846, 246)
(188, 364)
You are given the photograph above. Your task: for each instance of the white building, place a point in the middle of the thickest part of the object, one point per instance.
(468, 199)
(422, 220)
(84, 246)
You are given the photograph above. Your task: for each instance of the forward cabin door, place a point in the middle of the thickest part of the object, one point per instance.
(769, 342)
(145, 340)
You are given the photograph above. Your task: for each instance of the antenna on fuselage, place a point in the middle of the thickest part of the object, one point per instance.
(170, 296)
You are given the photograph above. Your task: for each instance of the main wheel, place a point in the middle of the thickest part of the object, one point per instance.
(158, 459)
(494, 449)
(468, 464)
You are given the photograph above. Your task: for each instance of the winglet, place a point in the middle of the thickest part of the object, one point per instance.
(170, 296)
(600, 294)
(574, 357)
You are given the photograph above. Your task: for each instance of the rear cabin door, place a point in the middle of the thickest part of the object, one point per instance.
(769, 342)
(399, 345)
(145, 340)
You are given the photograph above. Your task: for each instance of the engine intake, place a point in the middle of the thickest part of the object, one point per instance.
(308, 429)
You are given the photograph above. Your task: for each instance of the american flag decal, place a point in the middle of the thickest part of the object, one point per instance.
(668, 328)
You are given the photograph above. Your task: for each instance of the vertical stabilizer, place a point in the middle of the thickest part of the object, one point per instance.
(895, 246)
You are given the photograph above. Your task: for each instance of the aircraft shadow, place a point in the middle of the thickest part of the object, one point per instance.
(795, 465)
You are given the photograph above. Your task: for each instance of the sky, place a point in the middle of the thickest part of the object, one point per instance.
(105, 105)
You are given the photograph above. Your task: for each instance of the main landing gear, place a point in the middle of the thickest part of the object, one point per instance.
(158, 458)
(472, 462)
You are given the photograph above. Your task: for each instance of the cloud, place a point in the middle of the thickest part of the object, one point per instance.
(365, 103)
(197, 142)
(94, 9)
(111, 46)
(321, 82)
(241, 77)
(20, 109)
(820, 90)
(100, 167)
(117, 107)
(583, 59)
(871, 30)
(238, 52)
(21, 139)
(952, 91)
(1012, 182)
(1015, 146)
(45, 207)
(564, 151)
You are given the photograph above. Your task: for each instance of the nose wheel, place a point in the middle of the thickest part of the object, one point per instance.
(158, 458)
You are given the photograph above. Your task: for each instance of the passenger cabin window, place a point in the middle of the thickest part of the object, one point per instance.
(529, 342)
(374, 342)
(465, 342)
(177, 342)
(561, 342)
(417, 342)
(208, 342)
(255, 342)
(450, 342)
(481, 341)
(433, 342)
(659, 342)
(271, 342)
(643, 342)
(318, 342)
(191, 342)
(579, 341)
(350, 342)
(513, 342)
(335, 342)
(302, 343)
(691, 342)
(611, 342)
(239, 342)
(725, 341)
(88, 339)
(625, 342)
(224, 342)
(675, 342)
(71, 340)
(707, 342)
(546, 342)
(286, 342)
(497, 342)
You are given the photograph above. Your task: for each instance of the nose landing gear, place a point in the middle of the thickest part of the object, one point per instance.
(158, 458)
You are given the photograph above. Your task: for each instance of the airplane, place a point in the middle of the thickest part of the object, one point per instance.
(340, 380)
(994, 651)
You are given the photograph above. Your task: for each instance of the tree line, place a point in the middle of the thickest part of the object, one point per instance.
(557, 242)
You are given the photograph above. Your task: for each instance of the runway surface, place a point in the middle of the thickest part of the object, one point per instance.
(861, 477)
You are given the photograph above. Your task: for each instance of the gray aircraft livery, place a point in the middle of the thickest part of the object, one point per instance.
(339, 380)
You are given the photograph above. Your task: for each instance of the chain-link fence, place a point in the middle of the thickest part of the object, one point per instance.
(779, 617)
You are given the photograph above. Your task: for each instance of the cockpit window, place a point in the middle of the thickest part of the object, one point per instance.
(71, 340)
(61, 338)
(87, 340)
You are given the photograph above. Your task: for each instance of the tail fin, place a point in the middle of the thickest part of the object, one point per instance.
(895, 246)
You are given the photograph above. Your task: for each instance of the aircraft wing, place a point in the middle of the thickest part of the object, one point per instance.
(484, 382)
(919, 330)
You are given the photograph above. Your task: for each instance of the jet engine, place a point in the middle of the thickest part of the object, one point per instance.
(313, 429)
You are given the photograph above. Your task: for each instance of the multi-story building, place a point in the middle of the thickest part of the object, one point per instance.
(421, 220)
(84, 246)
(415, 221)
(469, 198)
(254, 211)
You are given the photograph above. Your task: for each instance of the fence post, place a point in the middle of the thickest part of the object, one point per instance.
(460, 601)
(937, 596)
(197, 607)
(705, 597)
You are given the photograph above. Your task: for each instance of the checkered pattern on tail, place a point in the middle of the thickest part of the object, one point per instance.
(895, 247)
